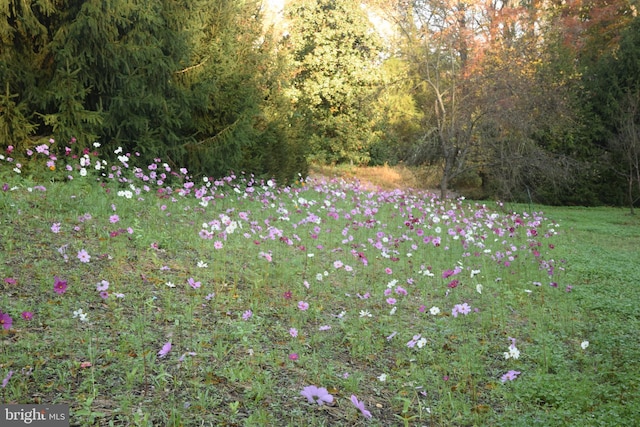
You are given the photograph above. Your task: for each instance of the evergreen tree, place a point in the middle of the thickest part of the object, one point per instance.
(336, 57)
(183, 80)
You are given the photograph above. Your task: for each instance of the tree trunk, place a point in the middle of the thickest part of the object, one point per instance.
(443, 186)
(632, 209)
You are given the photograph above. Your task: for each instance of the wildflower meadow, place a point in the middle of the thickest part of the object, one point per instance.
(142, 295)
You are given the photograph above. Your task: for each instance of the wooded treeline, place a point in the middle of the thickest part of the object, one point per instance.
(524, 101)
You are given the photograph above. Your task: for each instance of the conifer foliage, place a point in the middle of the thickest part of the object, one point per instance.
(165, 78)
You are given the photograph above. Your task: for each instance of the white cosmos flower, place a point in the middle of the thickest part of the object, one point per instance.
(83, 316)
(513, 353)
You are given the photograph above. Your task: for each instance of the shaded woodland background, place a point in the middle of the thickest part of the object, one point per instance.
(519, 100)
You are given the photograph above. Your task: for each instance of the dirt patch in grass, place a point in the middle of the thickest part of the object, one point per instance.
(384, 177)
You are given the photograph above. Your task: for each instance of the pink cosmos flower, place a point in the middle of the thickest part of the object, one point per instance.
(193, 283)
(461, 309)
(317, 395)
(84, 256)
(360, 405)
(303, 305)
(510, 376)
(413, 341)
(114, 218)
(27, 315)
(166, 348)
(464, 309)
(184, 355)
(6, 379)
(102, 286)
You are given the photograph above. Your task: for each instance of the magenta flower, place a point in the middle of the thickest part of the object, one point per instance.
(5, 320)
(447, 273)
(59, 286)
(10, 281)
(247, 315)
(391, 301)
(104, 294)
(166, 348)
(303, 305)
(114, 218)
(294, 356)
(317, 395)
(360, 405)
(27, 315)
(510, 376)
(293, 332)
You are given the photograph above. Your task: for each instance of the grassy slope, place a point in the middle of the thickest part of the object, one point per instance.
(602, 250)
(600, 388)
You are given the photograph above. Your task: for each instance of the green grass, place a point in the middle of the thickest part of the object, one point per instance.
(226, 370)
